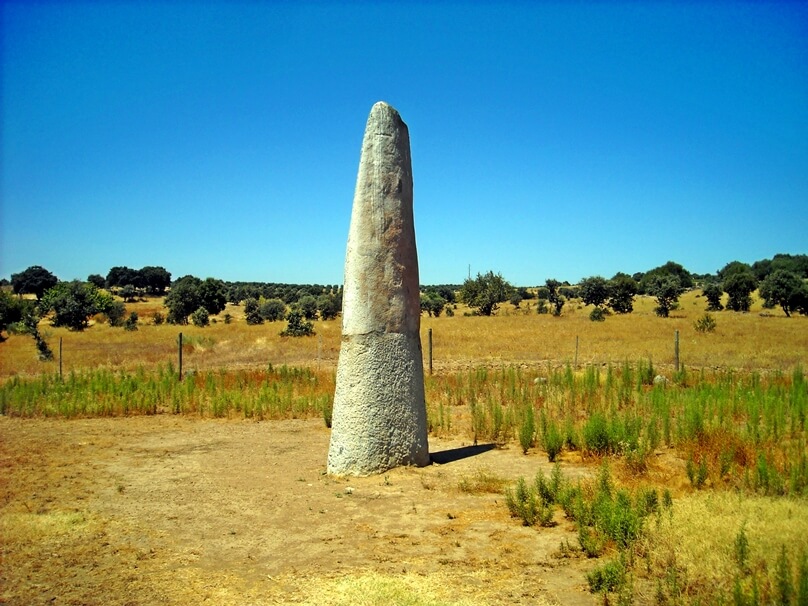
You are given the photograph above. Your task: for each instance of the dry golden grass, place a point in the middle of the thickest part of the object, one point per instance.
(522, 337)
(697, 540)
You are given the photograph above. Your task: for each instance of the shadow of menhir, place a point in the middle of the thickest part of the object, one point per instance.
(458, 454)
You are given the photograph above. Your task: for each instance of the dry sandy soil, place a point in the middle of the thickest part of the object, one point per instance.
(177, 510)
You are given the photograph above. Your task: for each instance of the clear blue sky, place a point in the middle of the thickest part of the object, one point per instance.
(549, 140)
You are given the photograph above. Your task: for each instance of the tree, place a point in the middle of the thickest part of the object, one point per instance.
(665, 288)
(734, 267)
(594, 291)
(432, 303)
(183, 299)
(622, 289)
(713, 292)
(252, 313)
(485, 292)
(122, 275)
(297, 325)
(328, 306)
(35, 280)
(97, 280)
(155, 279)
(12, 310)
(74, 303)
(213, 295)
(128, 293)
(554, 296)
(115, 312)
(786, 289)
(273, 310)
(307, 305)
(739, 286)
(668, 269)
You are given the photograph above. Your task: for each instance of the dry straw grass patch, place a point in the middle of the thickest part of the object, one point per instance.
(698, 538)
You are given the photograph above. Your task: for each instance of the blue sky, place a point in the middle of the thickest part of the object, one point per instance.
(549, 140)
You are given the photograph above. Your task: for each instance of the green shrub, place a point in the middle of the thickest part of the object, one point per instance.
(523, 503)
(115, 312)
(553, 440)
(527, 429)
(200, 317)
(609, 577)
(598, 314)
(705, 323)
(131, 322)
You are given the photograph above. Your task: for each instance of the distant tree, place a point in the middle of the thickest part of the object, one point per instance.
(594, 291)
(213, 295)
(122, 275)
(786, 289)
(734, 267)
(183, 299)
(115, 312)
(252, 313)
(739, 285)
(273, 310)
(485, 292)
(328, 305)
(446, 292)
(668, 269)
(713, 293)
(155, 279)
(11, 311)
(796, 264)
(307, 305)
(554, 296)
(297, 325)
(432, 303)
(97, 280)
(237, 293)
(35, 280)
(129, 293)
(200, 317)
(622, 289)
(74, 303)
(665, 288)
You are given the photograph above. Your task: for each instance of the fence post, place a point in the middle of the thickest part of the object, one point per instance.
(430, 351)
(676, 351)
(60, 358)
(179, 352)
(575, 365)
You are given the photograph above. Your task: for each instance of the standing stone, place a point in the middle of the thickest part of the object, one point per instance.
(379, 415)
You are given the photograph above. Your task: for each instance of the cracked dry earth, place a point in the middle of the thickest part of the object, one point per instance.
(177, 510)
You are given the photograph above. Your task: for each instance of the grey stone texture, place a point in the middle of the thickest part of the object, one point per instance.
(379, 416)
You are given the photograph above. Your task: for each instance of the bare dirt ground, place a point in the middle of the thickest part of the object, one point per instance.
(176, 510)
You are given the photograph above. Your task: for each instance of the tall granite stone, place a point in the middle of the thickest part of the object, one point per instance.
(379, 415)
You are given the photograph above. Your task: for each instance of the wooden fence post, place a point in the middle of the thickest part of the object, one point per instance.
(676, 351)
(60, 358)
(179, 353)
(430, 351)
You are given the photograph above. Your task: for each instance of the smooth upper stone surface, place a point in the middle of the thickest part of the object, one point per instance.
(379, 416)
(381, 290)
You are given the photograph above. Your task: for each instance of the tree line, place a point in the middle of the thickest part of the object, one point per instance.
(780, 281)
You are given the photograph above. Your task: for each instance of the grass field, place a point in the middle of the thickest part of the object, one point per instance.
(723, 436)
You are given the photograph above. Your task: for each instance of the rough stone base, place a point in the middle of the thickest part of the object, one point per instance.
(379, 416)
